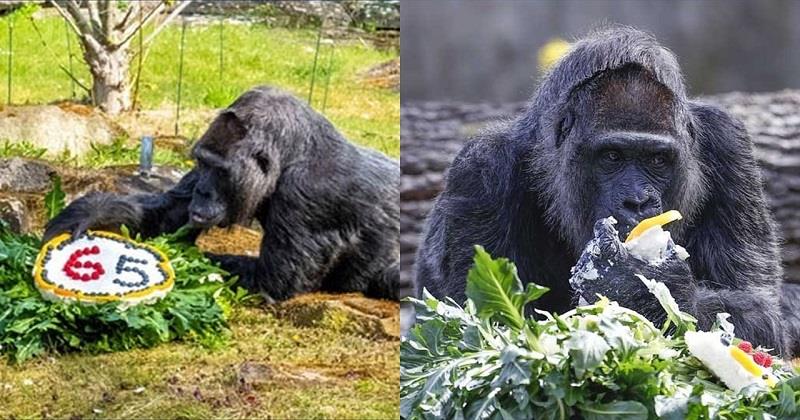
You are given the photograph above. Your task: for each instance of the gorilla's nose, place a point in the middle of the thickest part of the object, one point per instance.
(641, 206)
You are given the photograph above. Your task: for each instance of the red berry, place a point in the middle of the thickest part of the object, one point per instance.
(745, 346)
(78, 264)
(95, 275)
(95, 249)
(85, 277)
(763, 359)
(768, 361)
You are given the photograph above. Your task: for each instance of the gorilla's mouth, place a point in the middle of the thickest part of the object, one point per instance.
(624, 228)
(201, 220)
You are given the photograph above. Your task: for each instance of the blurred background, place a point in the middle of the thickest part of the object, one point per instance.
(487, 51)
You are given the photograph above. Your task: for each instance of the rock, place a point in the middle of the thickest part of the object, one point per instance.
(24, 175)
(386, 75)
(161, 178)
(57, 127)
(251, 374)
(15, 214)
(349, 313)
(25, 182)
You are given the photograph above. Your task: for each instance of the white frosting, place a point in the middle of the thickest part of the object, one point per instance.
(708, 347)
(652, 246)
(127, 268)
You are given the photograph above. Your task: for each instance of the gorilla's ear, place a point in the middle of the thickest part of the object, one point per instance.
(564, 126)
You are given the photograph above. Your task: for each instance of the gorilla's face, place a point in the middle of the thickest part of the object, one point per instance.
(622, 154)
(209, 206)
(237, 170)
(213, 202)
(630, 147)
(632, 171)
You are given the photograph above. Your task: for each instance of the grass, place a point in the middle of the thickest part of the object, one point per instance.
(253, 55)
(314, 373)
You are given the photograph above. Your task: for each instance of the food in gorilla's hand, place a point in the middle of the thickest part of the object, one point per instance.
(648, 251)
(655, 221)
(102, 267)
(649, 242)
(736, 365)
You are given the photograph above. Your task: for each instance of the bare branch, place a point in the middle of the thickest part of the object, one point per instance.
(82, 27)
(131, 31)
(67, 18)
(72, 76)
(167, 20)
(106, 15)
(94, 17)
(133, 9)
(61, 66)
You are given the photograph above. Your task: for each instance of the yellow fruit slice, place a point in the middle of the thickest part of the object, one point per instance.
(746, 361)
(660, 220)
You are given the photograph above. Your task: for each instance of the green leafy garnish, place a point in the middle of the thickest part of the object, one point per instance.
(54, 199)
(196, 309)
(489, 360)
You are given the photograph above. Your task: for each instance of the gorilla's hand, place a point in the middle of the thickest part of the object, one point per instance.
(93, 211)
(608, 268)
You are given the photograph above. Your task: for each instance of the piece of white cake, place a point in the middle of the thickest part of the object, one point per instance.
(729, 363)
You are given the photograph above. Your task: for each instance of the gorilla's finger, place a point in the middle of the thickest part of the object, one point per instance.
(607, 239)
(80, 228)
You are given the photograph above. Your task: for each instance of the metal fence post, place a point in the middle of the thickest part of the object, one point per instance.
(180, 79)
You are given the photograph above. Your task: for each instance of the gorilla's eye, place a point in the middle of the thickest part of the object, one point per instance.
(612, 156)
(658, 161)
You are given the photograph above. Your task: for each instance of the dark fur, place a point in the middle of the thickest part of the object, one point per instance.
(328, 208)
(519, 190)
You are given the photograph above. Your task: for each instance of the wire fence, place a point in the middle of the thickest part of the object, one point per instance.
(324, 60)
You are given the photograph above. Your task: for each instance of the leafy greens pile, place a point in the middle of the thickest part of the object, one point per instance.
(602, 361)
(196, 308)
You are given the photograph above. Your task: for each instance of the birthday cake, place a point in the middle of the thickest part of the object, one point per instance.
(102, 267)
(737, 366)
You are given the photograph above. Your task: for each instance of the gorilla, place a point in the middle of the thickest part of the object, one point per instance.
(328, 208)
(610, 132)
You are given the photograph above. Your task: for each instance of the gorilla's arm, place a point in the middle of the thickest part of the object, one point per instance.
(733, 265)
(735, 257)
(471, 210)
(148, 214)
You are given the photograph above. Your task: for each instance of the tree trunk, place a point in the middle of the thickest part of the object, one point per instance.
(111, 89)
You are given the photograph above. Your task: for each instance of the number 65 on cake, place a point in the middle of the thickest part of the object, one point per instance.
(102, 267)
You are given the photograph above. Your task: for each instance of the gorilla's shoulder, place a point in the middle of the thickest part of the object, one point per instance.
(712, 115)
(484, 162)
(721, 135)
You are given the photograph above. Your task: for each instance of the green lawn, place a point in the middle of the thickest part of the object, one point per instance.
(254, 54)
(311, 373)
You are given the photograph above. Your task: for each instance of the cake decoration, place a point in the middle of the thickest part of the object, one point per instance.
(738, 366)
(102, 267)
